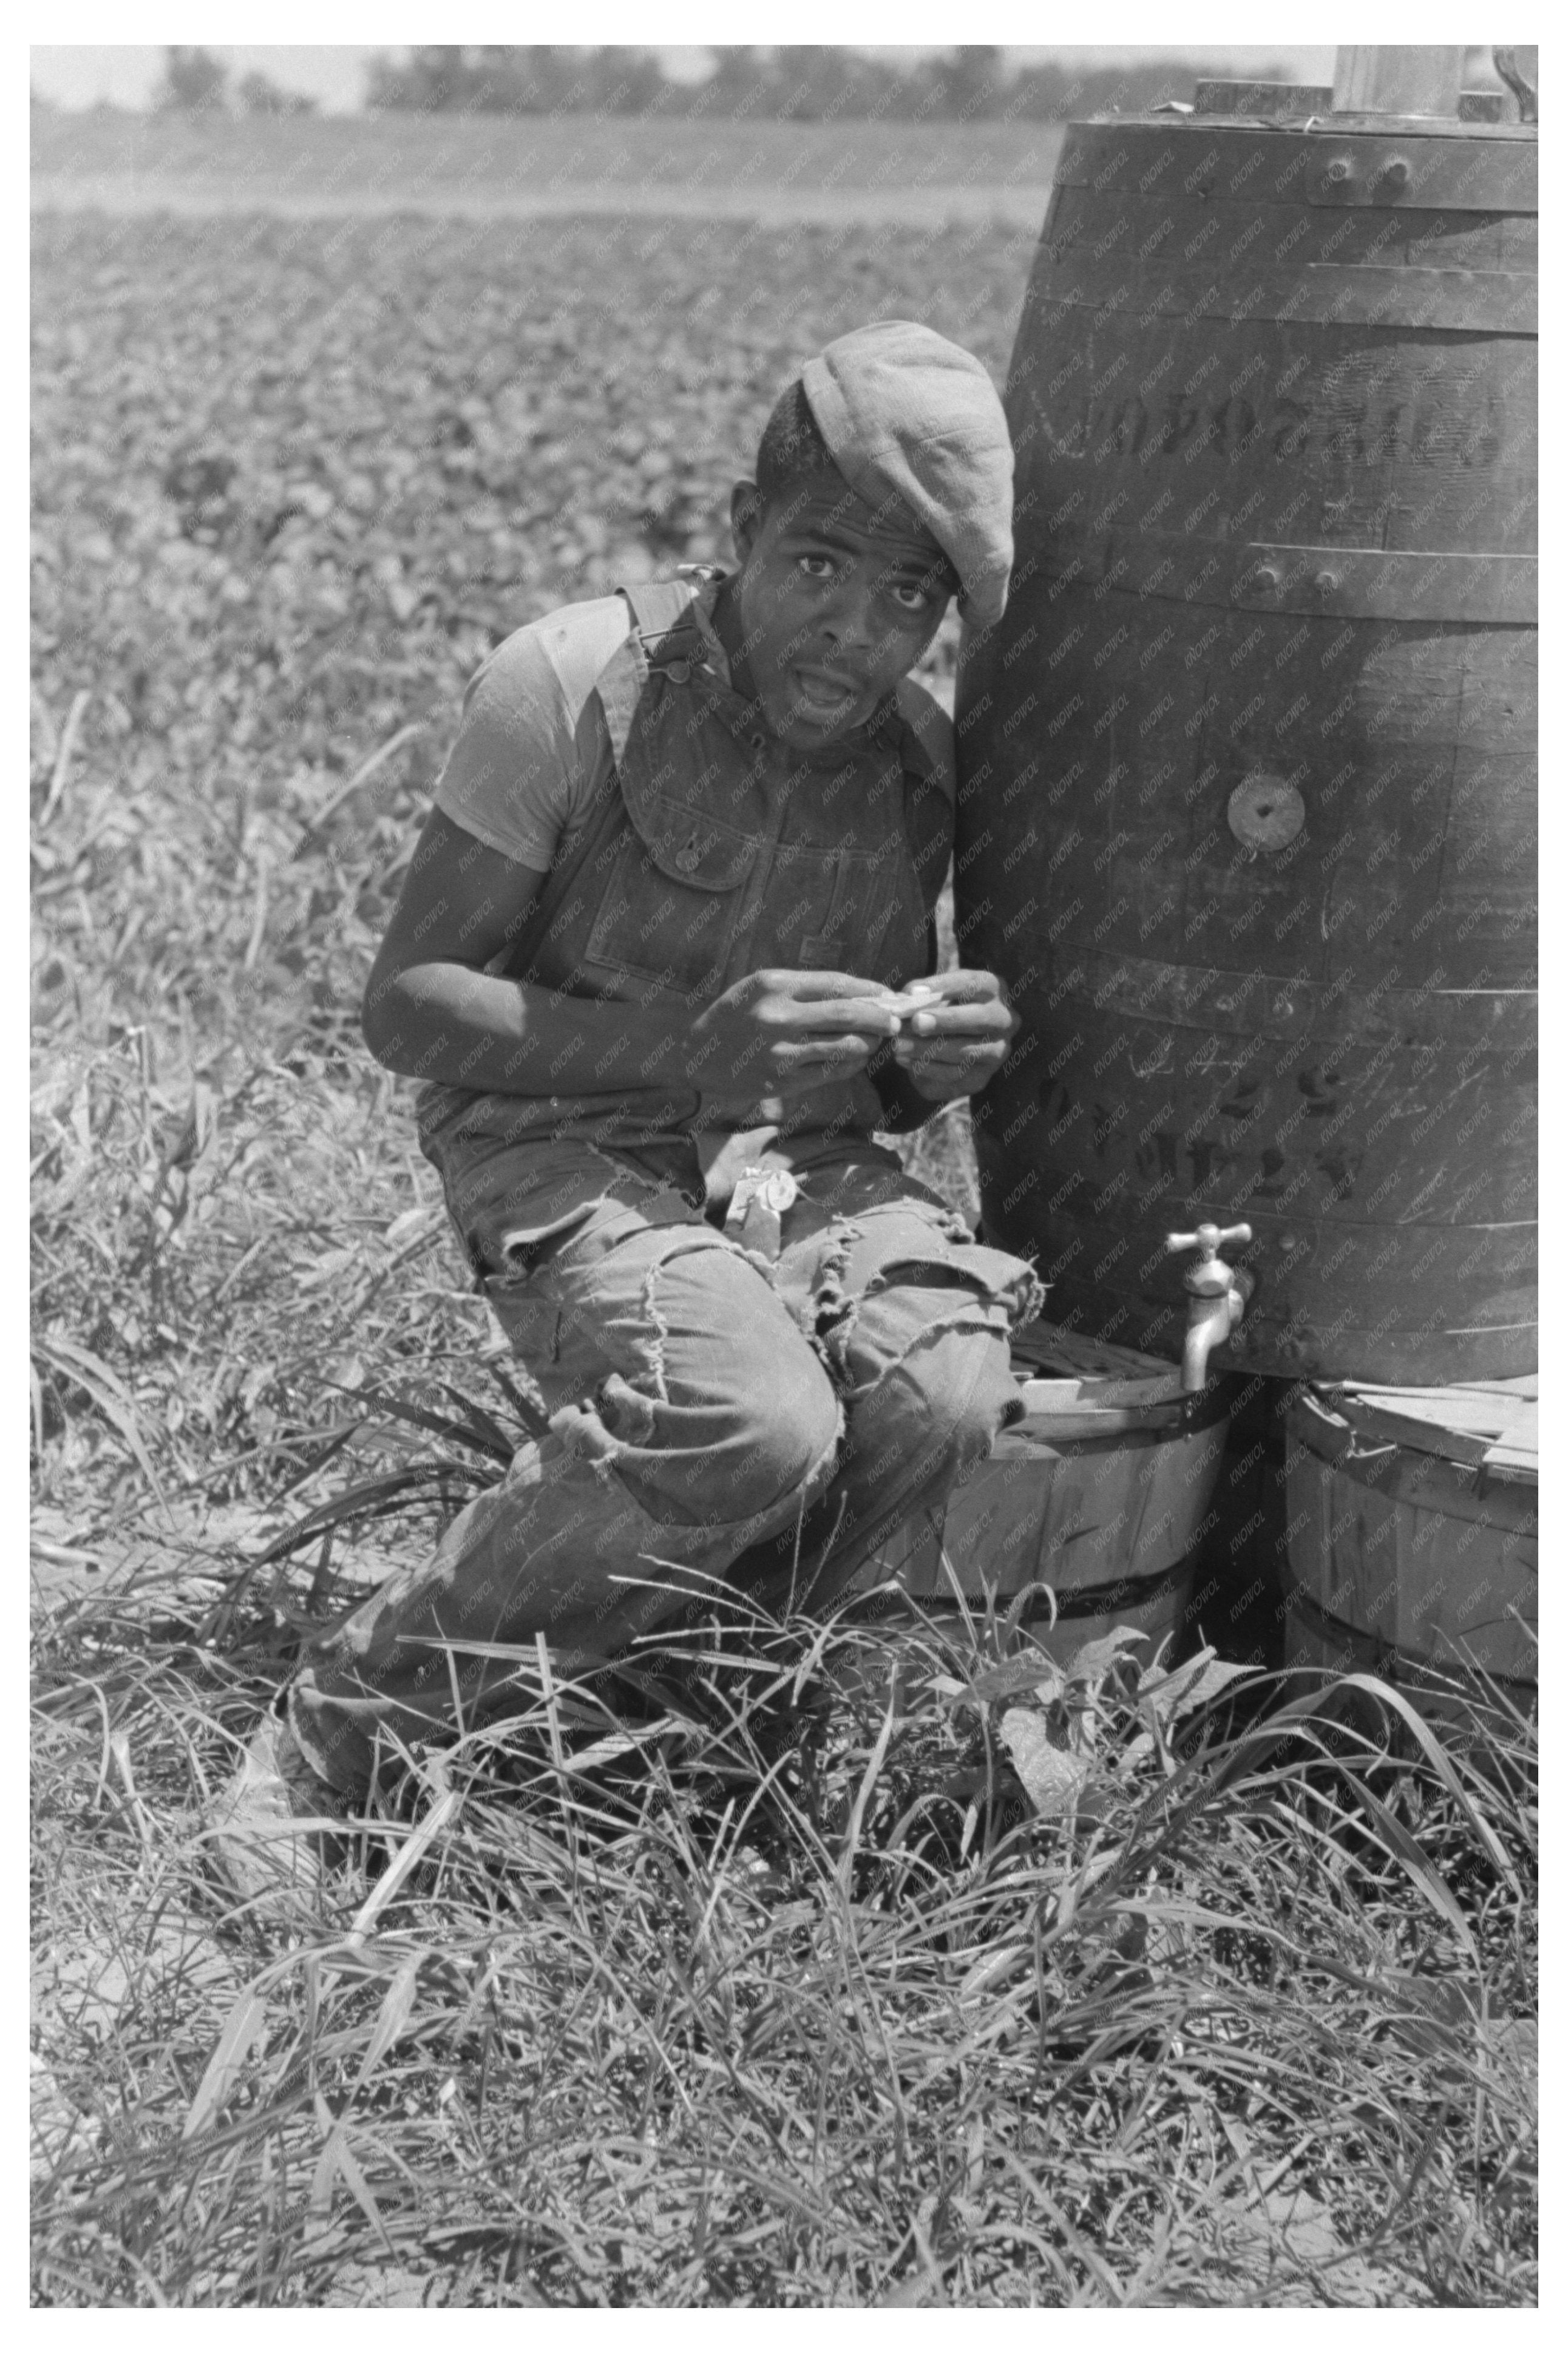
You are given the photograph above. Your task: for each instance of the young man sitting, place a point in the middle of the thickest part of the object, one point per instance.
(663, 962)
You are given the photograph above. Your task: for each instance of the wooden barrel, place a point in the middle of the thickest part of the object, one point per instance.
(1413, 1543)
(1246, 771)
(1101, 1497)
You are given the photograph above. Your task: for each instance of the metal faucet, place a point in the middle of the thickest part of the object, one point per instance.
(1217, 1297)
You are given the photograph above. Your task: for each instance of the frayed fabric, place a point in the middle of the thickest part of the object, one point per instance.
(899, 1252)
(712, 1423)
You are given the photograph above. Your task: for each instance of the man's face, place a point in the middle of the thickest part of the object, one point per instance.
(834, 604)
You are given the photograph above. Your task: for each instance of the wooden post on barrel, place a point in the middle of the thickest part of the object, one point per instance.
(1401, 80)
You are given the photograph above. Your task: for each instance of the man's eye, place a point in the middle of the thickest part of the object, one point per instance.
(815, 567)
(912, 600)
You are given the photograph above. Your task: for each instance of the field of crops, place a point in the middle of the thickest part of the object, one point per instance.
(909, 174)
(807, 1989)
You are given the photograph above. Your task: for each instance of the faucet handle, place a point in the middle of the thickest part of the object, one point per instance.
(1209, 1241)
(1211, 1278)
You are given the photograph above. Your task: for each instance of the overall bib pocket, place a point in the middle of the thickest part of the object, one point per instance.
(673, 900)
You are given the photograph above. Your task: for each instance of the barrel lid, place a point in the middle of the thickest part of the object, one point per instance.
(1491, 1424)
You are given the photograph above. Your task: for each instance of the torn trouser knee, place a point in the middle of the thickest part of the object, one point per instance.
(911, 1435)
(872, 1287)
(678, 1365)
(913, 1319)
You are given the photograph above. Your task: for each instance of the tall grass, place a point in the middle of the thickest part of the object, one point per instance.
(762, 1979)
(849, 1963)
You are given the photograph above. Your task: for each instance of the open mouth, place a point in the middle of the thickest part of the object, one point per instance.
(823, 698)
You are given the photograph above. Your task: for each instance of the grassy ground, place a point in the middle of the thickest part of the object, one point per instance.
(953, 1980)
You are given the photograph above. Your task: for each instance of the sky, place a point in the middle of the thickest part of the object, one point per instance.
(81, 74)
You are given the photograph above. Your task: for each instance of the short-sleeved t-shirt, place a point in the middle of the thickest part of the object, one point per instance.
(534, 748)
(533, 752)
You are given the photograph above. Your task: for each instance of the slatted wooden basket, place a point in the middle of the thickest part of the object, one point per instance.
(1413, 1543)
(1101, 1496)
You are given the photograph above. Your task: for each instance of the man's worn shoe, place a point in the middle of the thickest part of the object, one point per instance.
(269, 1828)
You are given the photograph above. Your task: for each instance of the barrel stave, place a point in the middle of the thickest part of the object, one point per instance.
(1261, 431)
(1338, 167)
(1402, 755)
(1233, 231)
(1327, 1290)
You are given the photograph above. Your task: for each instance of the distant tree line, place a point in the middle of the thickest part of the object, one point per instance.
(810, 83)
(195, 82)
(806, 83)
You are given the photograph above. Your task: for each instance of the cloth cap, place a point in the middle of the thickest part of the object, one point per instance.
(901, 409)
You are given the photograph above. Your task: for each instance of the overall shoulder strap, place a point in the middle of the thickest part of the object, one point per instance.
(919, 732)
(663, 620)
(664, 638)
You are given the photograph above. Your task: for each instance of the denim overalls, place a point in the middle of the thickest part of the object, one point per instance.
(755, 1401)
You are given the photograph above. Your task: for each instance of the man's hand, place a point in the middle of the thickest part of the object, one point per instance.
(955, 1030)
(778, 1032)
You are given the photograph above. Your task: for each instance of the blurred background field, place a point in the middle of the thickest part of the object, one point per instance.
(498, 168)
(311, 432)
(920, 135)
